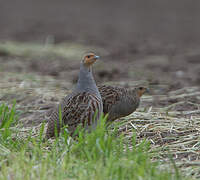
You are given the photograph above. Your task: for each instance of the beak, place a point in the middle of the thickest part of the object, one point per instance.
(96, 57)
(147, 90)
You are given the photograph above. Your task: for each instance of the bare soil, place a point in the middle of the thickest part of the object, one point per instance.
(149, 43)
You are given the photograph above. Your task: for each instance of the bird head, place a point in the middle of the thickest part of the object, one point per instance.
(89, 59)
(141, 90)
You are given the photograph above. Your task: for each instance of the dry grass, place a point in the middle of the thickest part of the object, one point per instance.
(170, 130)
(169, 120)
(66, 50)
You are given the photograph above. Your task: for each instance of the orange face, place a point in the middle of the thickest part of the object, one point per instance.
(142, 90)
(89, 59)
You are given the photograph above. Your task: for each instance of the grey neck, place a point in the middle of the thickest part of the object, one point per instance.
(86, 81)
(134, 93)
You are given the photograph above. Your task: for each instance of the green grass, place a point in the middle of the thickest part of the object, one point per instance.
(101, 154)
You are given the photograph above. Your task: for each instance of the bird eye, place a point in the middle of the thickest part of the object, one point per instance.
(88, 56)
(140, 88)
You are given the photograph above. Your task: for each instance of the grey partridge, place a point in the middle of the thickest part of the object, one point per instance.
(120, 102)
(82, 107)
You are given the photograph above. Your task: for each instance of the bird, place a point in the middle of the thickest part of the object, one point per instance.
(81, 107)
(120, 102)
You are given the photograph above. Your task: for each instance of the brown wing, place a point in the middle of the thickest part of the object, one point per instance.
(81, 108)
(110, 95)
(118, 102)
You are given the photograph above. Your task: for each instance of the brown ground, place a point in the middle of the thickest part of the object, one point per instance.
(155, 43)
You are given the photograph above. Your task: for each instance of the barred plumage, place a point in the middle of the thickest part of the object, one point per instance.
(76, 110)
(82, 107)
(120, 102)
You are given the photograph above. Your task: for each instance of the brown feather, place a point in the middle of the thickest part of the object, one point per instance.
(119, 102)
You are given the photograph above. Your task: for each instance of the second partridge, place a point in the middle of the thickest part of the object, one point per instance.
(120, 102)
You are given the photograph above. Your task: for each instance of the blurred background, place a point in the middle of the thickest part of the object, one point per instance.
(101, 22)
(158, 37)
(155, 43)
(152, 42)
